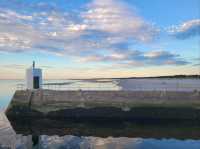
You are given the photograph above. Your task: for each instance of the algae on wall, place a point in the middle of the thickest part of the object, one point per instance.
(118, 104)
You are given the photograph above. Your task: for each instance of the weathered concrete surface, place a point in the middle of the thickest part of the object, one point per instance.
(106, 104)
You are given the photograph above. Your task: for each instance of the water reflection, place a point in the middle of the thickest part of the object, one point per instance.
(73, 142)
(105, 128)
(108, 134)
(93, 134)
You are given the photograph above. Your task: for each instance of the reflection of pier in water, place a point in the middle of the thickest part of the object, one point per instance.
(105, 128)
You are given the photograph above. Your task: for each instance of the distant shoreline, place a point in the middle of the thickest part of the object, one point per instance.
(174, 76)
(150, 77)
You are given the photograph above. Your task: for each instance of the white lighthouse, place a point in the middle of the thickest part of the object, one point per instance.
(33, 77)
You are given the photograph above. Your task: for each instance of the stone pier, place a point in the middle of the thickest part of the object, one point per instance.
(105, 104)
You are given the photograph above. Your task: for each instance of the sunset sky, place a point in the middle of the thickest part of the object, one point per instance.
(99, 38)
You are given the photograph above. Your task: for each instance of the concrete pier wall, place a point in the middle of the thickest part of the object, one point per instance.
(106, 104)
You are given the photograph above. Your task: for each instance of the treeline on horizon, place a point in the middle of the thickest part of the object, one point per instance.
(172, 76)
(152, 77)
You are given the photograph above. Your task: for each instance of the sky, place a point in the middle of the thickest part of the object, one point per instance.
(99, 38)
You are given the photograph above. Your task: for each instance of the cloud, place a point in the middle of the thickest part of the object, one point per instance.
(99, 25)
(13, 66)
(186, 30)
(197, 61)
(101, 32)
(132, 58)
(161, 57)
(7, 14)
(117, 18)
(198, 64)
(20, 66)
(13, 42)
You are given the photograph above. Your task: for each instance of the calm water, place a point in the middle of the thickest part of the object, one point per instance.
(7, 89)
(102, 134)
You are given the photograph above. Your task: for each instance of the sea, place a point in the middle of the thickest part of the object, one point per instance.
(75, 134)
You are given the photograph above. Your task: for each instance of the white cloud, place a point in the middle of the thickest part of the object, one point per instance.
(118, 19)
(118, 56)
(104, 25)
(13, 42)
(187, 29)
(128, 64)
(10, 14)
(77, 27)
(99, 26)
(103, 58)
(135, 58)
(158, 54)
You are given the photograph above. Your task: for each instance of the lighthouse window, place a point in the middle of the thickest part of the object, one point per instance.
(36, 82)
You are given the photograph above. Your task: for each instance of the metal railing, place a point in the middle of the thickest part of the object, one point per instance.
(115, 85)
(75, 86)
(63, 87)
(20, 86)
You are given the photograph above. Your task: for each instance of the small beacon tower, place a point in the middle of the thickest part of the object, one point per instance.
(33, 77)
